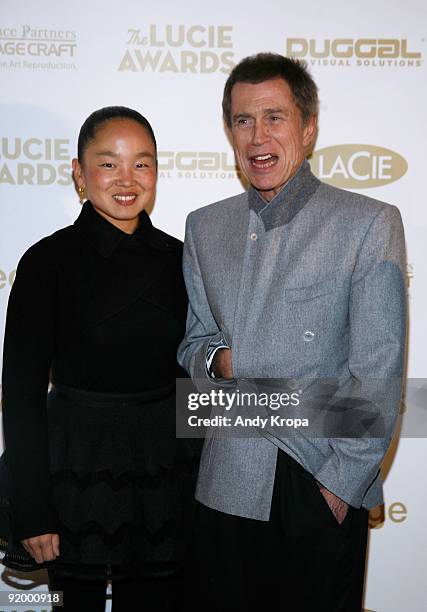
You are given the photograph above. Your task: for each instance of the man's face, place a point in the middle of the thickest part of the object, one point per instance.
(269, 138)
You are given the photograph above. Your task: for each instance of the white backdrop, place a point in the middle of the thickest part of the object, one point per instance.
(60, 60)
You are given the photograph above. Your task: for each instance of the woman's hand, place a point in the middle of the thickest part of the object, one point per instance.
(43, 547)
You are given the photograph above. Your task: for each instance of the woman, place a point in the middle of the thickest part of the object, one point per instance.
(100, 486)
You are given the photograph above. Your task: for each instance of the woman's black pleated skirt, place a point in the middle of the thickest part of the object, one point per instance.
(123, 483)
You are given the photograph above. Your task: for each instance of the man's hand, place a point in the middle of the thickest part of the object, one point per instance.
(42, 548)
(339, 508)
(221, 365)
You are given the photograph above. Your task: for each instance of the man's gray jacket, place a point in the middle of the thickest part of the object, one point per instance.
(310, 286)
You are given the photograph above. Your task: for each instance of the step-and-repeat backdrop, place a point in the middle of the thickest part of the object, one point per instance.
(61, 60)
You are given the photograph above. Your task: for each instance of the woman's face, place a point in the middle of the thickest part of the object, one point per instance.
(118, 172)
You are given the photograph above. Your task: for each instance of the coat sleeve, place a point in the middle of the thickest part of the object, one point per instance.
(28, 349)
(202, 332)
(377, 319)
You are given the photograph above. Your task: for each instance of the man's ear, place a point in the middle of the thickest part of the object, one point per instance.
(309, 132)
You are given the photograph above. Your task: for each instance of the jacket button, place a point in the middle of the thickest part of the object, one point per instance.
(254, 236)
(308, 336)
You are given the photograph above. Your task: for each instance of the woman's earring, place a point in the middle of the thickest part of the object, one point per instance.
(81, 191)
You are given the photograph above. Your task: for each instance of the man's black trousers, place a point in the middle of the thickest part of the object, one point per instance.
(301, 560)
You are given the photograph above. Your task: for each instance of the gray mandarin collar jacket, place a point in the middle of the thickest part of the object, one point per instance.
(309, 286)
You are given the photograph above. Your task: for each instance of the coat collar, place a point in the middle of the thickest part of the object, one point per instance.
(288, 202)
(106, 237)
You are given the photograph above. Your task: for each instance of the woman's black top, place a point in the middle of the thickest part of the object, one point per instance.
(99, 311)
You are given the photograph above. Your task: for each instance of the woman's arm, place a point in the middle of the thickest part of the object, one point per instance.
(28, 350)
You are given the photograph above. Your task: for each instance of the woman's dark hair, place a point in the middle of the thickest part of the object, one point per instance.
(101, 116)
(264, 66)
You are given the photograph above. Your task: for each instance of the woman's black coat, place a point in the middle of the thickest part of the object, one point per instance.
(72, 287)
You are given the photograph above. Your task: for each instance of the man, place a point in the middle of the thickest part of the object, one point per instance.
(296, 280)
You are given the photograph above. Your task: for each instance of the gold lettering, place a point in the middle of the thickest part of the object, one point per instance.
(209, 62)
(189, 61)
(296, 47)
(324, 52)
(61, 151)
(406, 53)
(371, 45)
(228, 63)
(388, 47)
(127, 63)
(6, 175)
(181, 163)
(168, 64)
(224, 37)
(209, 161)
(153, 37)
(190, 36)
(148, 59)
(225, 165)
(346, 43)
(6, 151)
(46, 174)
(25, 174)
(26, 148)
(64, 172)
(398, 512)
(181, 36)
(169, 164)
